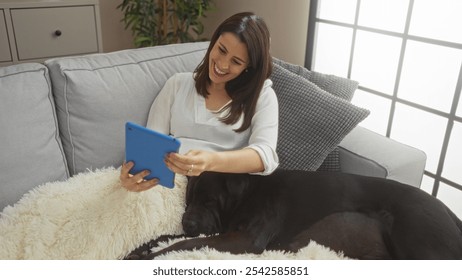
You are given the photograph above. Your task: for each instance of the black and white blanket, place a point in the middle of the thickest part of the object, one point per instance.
(90, 216)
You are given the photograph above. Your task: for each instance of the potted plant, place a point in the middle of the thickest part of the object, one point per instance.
(159, 22)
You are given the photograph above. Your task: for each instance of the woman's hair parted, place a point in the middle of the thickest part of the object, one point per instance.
(245, 89)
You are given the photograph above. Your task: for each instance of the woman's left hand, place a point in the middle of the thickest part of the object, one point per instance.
(193, 163)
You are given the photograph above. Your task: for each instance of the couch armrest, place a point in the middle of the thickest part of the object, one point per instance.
(368, 153)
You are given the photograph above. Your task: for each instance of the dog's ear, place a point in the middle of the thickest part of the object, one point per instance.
(191, 183)
(237, 184)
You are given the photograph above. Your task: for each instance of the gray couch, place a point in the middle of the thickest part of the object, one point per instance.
(67, 116)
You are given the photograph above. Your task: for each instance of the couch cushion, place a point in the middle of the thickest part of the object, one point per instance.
(338, 86)
(96, 94)
(30, 152)
(312, 121)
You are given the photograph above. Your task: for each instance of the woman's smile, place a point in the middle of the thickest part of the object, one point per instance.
(219, 72)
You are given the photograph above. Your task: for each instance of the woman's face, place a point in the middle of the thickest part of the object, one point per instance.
(227, 59)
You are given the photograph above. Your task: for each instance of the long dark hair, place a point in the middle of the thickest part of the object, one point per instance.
(245, 89)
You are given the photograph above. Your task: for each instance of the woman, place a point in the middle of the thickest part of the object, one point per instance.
(225, 113)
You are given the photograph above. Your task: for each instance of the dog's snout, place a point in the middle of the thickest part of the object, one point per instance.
(190, 227)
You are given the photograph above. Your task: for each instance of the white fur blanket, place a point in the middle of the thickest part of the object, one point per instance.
(90, 216)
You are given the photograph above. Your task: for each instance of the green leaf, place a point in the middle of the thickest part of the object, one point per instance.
(143, 18)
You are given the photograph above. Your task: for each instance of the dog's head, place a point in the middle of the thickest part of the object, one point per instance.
(210, 201)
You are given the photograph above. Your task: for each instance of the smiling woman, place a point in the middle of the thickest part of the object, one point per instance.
(225, 114)
(245, 43)
(228, 59)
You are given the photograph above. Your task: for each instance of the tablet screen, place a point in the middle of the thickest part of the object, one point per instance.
(147, 149)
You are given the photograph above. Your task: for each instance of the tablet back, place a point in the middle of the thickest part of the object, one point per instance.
(147, 149)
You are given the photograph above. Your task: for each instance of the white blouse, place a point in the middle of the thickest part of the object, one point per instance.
(180, 111)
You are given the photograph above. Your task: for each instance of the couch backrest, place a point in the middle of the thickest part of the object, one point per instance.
(30, 152)
(96, 94)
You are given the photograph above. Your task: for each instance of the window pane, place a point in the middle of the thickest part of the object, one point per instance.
(420, 129)
(427, 184)
(338, 10)
(429, 75)
(452, 197)
(383, 14)
(380, 109)
(376, 60)
(453, 161)
(459, 107)
(437, 19)
(332, 49)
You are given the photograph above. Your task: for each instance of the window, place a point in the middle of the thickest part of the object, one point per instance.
(410, 74)
(374, 67)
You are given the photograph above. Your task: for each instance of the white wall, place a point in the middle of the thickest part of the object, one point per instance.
(114, 35)
(286, 19)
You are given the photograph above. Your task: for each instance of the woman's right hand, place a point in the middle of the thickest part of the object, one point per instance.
(135, 183)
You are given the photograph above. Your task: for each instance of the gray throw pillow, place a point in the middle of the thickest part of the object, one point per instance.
(338, 86)
(312, 122)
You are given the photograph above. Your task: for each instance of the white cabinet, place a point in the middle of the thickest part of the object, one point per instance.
(35, 30)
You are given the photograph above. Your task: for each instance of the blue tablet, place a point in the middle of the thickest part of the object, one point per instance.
(147, 149)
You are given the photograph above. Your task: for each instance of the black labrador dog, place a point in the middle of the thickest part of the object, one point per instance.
(363, 217)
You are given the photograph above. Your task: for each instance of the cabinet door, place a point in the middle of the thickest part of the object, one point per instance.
(5, 54)
(54, 31)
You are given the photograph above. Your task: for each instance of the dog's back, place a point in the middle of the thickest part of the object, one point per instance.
(413, 224)
(364, 217)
